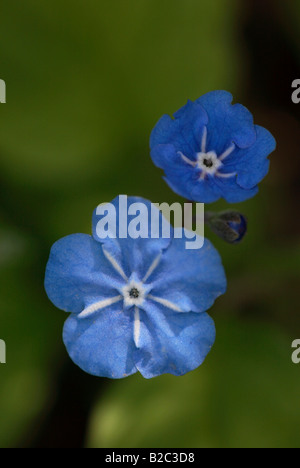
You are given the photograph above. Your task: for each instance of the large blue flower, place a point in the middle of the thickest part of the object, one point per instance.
(137, 304)
(212, 149)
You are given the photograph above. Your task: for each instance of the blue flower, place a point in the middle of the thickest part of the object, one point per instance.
(212, 149)
(136, 304)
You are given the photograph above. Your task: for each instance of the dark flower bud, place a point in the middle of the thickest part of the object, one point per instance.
(231, 226)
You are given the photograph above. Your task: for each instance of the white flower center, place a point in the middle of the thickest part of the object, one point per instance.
(208, 162)
(133, 293)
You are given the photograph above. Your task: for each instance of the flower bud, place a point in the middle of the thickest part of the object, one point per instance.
(230, 225)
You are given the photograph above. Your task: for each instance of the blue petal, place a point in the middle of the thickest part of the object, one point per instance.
(168, 131)
(167, 157)
(239, 228)
(192, 119)
(227, 123)
(187, 184)
(134, 254)
(194, 287)
(232, 192)
(183, 180)
(205, 191)
(178, 186)
(102, 345)
(172, 342)
(77, 273)
(252, 164)
(183, 132)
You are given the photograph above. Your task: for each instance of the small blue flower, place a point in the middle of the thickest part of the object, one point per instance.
(136, 304)
(212, 149)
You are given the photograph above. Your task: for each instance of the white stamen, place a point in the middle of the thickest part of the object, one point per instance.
(211, 156)
(98, 306)
(187, 160)
(165, 303)
(204, 140)
(115, 264)
(152, 267)
(137, 326)
(225, 176)
(227, 152)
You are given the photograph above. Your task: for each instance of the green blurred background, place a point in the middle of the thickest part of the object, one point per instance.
(86, 82)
